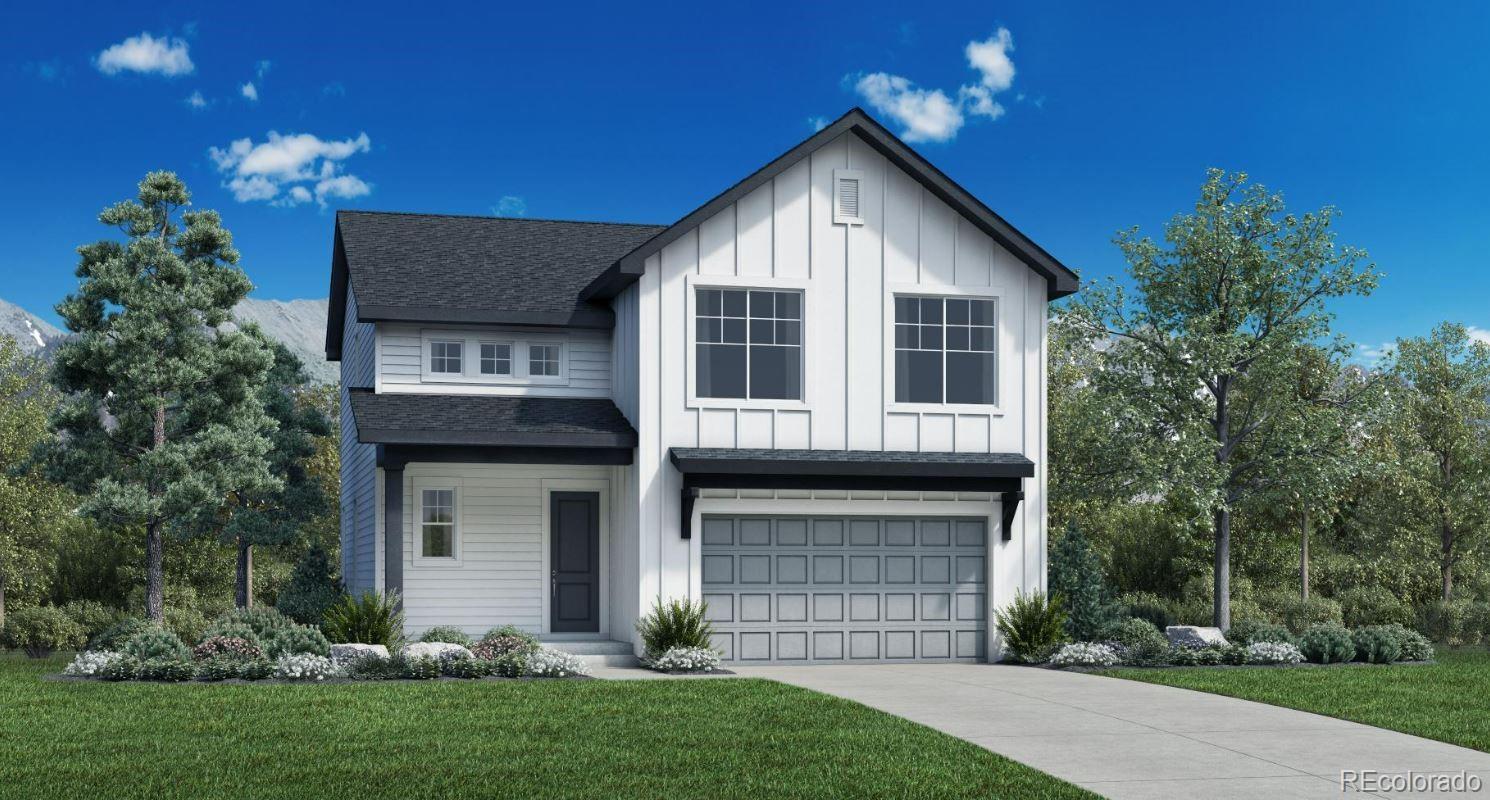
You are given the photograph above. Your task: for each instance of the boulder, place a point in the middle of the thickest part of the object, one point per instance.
(441, 651)
(347, 653)
(1195, 636)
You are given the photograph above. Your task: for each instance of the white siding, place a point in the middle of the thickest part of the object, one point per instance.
(359, 554)
(587, 354)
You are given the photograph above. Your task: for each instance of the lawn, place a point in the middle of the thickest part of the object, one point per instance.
(464, 739)
(1446, 700)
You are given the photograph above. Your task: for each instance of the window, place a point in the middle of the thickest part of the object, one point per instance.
(543, 360)
(496, 359)
(445, 356)
(437, 531)
(944, 350)
(749, 344)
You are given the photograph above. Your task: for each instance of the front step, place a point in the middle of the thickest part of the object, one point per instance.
(596, 652)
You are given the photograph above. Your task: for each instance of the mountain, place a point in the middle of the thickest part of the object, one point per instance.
(298, 324)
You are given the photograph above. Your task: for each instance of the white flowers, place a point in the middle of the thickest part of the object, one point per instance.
(305, 667)
(548, 663)
(90, 664)
(1085, 654)
(1273, 653)
(686, 659)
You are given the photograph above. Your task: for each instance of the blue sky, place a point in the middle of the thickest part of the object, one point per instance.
(1104, 119)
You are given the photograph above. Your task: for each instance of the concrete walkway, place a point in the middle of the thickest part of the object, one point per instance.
(1126, 739)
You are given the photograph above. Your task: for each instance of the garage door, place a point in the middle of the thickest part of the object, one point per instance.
(846, 589)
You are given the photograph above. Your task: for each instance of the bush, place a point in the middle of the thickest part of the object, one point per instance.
(90, 664)
(1273, 653)
(173, 670)
(513, 664)
(1376, 645)
(262, 620)
(502, 641)
(447, 634)
(39, 630)
(419, 669)
(1327, 643)
(676, 623)
(297, 666)
(370, 618)
(1085, 654)
(1477, 622)
(155, 643)
(1250, 631)
(232, 648)
(95, 617)
(1076, 577)
(256, 670)
(1372, 605)
(468, 668)
(1413, 645)
(1031, 626)
(686, 659)
(123, 668)
(232, 630)
(548, 663)
(296, 639)
(1448, 622)
(312, 589)
(114, 636)
(219, 668)
(1142, 644)
(1208, 656)
(187, 623)
(1298, 614)
(1148, 606)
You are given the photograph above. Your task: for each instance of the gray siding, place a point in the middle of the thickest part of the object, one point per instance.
(587, 355)
(358, 461)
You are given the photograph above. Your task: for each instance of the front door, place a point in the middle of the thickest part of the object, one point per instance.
(574, 557)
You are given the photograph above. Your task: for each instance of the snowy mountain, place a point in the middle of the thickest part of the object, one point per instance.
(31, 332)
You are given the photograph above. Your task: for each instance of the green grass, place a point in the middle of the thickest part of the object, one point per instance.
(1446, 700)
(672, 739)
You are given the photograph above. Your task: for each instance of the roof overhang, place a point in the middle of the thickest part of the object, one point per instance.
(598, 318)
(487, 421)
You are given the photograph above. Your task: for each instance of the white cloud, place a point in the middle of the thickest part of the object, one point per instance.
(932, 115)
(817, 123)
(196, 100)
(1478, 334)
(250, 92)
(510, 206)
(262, 68)
(145, 53)
(1372, 355)
(291, 169)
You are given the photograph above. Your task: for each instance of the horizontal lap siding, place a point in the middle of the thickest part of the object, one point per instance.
(588, 354)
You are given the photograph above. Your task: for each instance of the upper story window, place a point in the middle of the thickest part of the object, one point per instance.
(445, 356)
(543, 360)
(496, 358)
(945, 350)
(749, 344)
(437, 523)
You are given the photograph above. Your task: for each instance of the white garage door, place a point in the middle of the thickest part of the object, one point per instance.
(846, 589)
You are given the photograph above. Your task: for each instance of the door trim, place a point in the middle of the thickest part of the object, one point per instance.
(601, 487)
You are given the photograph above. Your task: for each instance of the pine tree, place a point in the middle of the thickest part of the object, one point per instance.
(163, 412)
(1076, 576)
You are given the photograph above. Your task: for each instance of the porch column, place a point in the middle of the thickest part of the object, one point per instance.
(393, 530)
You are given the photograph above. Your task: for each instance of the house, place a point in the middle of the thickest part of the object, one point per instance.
(817, 403)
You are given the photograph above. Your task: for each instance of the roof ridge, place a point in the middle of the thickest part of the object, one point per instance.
(341, 211)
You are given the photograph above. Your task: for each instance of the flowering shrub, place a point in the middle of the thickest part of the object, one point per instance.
(468, 668)
(419, 669)
(1085, 654)
(88, 665)
(228, 646)
(548, 663)
(1273, 653)
(156, 643)
(305, 667)
(295, 639)
(1199, 656)
(232, 630)
(174, 670)
(123, 668)
(499, 642)
(686, 659)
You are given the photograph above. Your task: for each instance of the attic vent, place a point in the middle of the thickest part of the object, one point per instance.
(847, 190)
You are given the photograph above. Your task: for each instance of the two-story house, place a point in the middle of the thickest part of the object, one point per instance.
(816, 403)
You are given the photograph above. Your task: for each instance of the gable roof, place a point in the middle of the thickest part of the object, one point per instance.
(1060, 279)
(461, 269)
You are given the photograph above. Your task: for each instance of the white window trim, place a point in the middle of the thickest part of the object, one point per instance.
(527, 368)
(692, 284)
(471, 358)
(840, 175)
(416, 529)
(429, 356)
(511, 359)
(1000, 355)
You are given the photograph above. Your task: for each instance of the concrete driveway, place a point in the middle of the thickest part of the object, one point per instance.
(1126, 739)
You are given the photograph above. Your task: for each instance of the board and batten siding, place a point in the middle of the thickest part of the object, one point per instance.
(359, 511)
(587, 356)
(782, 235)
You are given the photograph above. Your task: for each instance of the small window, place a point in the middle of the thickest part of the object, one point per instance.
(748, 344)
(445, 356)
(945, 350)
(848, 189)
(437, 532)
(543, 360)
(496, 359)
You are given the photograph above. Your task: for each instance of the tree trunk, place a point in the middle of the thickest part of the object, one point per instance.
(1222, 605)
(1446, 561)
(155, 602)
(2, 601)
(244, 587)
(1304, 559)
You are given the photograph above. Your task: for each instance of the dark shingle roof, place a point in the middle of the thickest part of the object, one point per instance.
(484, 420)
(475, 269)
(720, 460)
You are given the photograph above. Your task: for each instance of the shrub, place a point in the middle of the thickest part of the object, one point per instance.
(114, 636)
(1448, 622)
(499, 642)
(1298, 614)
(1148, 606)
(548, 663)
(95, 617)
(219, 668)
(296, 639)
(1250, 631)
(1076, 577)
(232, 648)
(256, 670)
(1199, 656)
(298, 666)
(513, 664)
(154, 643)
(1142, 644)
(123, 668)
(1273, 653)
(90, 664)
(1477, 622)
(420, 669)
(1327, 643)
(312, 589)
(1235, 655)
(232, 630)
(468, 668)
(1085, 654)
(679, 622)
(262, 620)
(187, 623)
(1372, 605)
(370, 618)
(1031, 626)
(173, 670)
(375, 668)
(686, 659)
(447, 634)
(1414, 646)
(39, 630)
(1376, 645)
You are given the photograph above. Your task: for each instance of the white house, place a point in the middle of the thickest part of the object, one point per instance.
(817, 403)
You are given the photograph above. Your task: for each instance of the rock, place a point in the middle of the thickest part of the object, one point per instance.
(1195, 636)
(347, 653)
(436, 650)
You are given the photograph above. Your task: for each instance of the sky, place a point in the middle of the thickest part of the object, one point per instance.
(1072, 120)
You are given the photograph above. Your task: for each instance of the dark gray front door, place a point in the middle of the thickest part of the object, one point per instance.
(574, 531)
